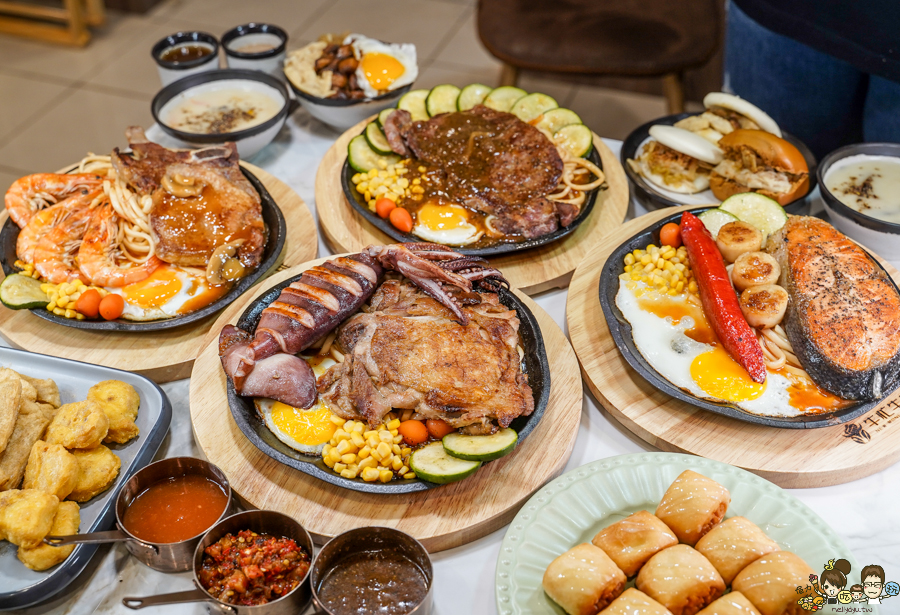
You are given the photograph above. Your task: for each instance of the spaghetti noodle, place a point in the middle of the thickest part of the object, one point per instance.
(575, 182)
(778, 352)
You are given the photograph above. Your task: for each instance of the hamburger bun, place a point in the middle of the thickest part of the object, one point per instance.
(687, 142)
(775, 152)
(745, 108)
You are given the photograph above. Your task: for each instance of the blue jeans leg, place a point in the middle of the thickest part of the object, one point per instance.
(811, 94)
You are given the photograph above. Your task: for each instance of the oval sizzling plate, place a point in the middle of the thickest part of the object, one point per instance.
(354, 198)
(620, 329)
(245, 415)
(277, 231)
(649, 194)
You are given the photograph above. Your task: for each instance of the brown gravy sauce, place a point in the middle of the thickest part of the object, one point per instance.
(382, 582)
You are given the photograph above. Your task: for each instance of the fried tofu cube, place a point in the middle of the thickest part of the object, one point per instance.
(79, 425)
(120, 402)
(51, 469)
(44, 556)
(26, 516)
(98, 468)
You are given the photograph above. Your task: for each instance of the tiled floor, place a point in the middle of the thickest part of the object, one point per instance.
(56, 102)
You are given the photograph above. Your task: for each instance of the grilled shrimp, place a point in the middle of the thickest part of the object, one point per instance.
(46, 220)
(97, 255)
(32, 193)
(55, 253)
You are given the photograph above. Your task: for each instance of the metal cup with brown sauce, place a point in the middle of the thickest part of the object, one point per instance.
(259, 521)
(165, 557)
(369, 564)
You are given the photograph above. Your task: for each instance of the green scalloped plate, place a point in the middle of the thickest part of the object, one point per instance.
(578, 504)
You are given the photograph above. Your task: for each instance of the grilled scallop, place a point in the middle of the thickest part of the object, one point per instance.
(754, 269)
(764, 306)
(736, 238)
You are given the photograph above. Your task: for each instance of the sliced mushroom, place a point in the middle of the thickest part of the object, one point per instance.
(181, 187)
(223, 266)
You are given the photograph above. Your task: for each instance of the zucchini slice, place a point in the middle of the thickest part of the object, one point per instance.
(554, 119)
(531, 107)
(21, 292)
(363, 158)
(503, 98)
(432, 463)
(714, 219)
(414, 102)
(382, 117)
(376, 139)
(442, 99)
(577, 139)
(480, 448)
(471, 95)
(753, 208)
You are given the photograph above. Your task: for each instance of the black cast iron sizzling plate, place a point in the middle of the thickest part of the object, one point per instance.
(648, 192)
(354, 198)
(275, 226)
(245, 415)
(620, 329)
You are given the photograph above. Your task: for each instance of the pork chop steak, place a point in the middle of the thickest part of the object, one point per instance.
(489, 161)
(405, 350)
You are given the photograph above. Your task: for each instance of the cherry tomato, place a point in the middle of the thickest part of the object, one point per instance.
(438, 428)
(670, 235)
(401, 219)
(89, 303)
(413, 432)
(112, 306)
(384, 207)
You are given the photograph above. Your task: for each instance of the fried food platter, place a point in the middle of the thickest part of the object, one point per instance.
(167, 354)
(850, 447)
(532, 271)
(441, 518)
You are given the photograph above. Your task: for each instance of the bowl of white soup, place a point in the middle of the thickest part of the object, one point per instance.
(861, 189)
(244, 106)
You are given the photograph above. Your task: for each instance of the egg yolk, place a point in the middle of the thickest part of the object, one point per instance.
(156, 290)
(442, 217)
(718, 375)
(309, 427)
(381, 69)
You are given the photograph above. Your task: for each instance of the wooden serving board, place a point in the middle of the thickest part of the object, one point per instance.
(443, 517)
(531, 271)
(790, 458)
(159, 355)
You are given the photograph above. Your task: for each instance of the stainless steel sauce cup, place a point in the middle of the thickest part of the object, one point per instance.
(261, 522)
(369, 539)
(165, 557)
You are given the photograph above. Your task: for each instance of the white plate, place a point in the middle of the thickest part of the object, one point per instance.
(574, 507)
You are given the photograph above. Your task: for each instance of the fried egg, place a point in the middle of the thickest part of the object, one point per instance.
(305, 431)
(383, 66)
(673, 336)
(169, 291)
(445, 224)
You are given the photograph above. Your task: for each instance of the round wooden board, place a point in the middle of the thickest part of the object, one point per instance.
(791, 458)
(443, 517)
(159, 355)
(531, 271)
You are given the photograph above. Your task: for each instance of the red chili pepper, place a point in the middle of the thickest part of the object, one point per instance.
(720, 303)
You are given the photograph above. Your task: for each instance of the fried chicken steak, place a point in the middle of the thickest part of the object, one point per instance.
(405, 350)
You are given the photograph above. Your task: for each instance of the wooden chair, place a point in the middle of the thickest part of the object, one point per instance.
(623, 38)
(66, 24)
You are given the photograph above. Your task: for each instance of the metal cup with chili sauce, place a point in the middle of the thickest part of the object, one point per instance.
(252, 563)
(373, 570)
(163, 511)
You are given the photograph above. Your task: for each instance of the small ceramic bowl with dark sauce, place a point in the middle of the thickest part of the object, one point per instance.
(373, 570)
(255, 46)
(185, 53)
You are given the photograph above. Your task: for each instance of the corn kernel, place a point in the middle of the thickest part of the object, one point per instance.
(403, 470)
(386, 462)
(679, 286)
(368, 462)
(359, 427)
(405, 451)
(346, 446)
(348, 473)
(396, 463)
(59, 311)
(409, 475)
(382, 163)
(329, 462)
(79, 316)
(398, 439)
(364, 452)
(395, 424)
(340, 434)
(370, 475)
(692, 286)
(645, 259)
(629, 259)
(357, 439)
(337, 420)
(349, 458)
(70, 313)
(51, 306)
(340, 467)
(334, 455)
(396, 449)
(422, 169)
(374, 454)
(384, 449)
(385, 476)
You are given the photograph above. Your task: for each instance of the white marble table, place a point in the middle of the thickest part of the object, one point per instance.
(863, 513)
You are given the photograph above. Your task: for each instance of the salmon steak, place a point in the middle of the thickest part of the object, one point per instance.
(843, 317)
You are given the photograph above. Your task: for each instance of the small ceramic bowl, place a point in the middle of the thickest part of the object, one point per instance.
(255, 46)
(249, 141)
(880, 236)
(343, 114)
(170, 71)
